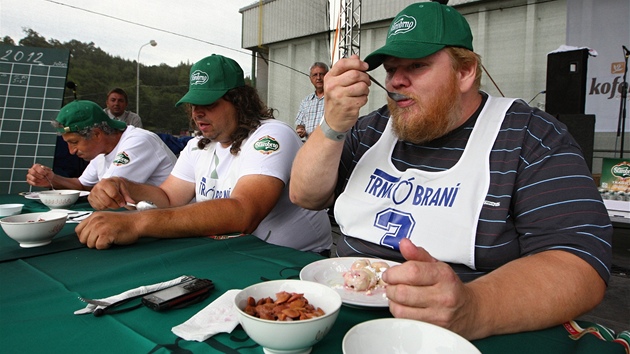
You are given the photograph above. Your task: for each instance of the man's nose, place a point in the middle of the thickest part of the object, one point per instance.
(397, 79)
(197, 111)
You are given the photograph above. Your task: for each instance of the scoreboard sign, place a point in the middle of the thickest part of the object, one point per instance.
(32, 83)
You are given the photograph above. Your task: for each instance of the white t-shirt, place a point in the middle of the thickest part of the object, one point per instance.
(269, 151)
(140, 156)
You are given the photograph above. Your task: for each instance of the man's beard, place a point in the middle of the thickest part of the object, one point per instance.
(430, 117)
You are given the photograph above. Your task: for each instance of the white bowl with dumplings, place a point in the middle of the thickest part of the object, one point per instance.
(34, 229)
(297, 336)
(10, 209)
(59, 198)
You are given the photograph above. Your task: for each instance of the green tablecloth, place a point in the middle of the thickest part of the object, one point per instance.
(39, 292)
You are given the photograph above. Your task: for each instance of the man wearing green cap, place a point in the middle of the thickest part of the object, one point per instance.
(112, 147)
(487, 202)
(237, 174)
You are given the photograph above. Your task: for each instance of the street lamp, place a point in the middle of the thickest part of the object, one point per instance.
(153, 44)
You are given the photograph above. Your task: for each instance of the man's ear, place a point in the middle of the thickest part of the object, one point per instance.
(97, 133)
(467, 75)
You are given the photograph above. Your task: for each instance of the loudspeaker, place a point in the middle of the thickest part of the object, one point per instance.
(566, 82)
(582, 128)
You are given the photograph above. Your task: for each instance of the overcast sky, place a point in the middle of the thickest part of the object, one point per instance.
(185, 31)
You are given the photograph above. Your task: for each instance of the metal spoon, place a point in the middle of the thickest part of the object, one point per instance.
(45, 176)
(393, 95)
(49, 181)
(143, 205)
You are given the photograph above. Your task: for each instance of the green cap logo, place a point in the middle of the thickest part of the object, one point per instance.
(401, 25)
(266, 145)
(198, 77)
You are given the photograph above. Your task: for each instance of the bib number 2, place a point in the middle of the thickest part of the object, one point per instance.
(397, 224)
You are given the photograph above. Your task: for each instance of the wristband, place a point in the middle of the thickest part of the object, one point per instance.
(330, 133)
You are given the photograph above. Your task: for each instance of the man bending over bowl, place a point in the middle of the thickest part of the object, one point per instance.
(488, 202)
(237, 173)
(112, 147)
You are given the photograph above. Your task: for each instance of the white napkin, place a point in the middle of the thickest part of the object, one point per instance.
(219, 316)
(130, 293)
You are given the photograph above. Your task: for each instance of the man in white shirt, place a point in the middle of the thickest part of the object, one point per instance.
(237, 173)
(112, 147)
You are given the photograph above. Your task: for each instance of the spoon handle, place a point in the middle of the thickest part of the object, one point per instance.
(376, 82)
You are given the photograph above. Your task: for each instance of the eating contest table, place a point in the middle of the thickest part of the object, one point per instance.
(40, 286)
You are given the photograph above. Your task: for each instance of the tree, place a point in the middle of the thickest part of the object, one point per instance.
(33, 39)
(95, 72)
(8, 40)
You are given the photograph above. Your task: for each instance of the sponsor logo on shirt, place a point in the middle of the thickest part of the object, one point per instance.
(121, 159)
(209, 190)
(266, 145)
(382, 185)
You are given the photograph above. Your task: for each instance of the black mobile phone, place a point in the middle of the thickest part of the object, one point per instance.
(179, 295)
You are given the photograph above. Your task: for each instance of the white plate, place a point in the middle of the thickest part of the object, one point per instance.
(397, 335)
(330, 271)
(35, 195)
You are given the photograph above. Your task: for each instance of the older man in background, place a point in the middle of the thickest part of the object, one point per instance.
(312, 106)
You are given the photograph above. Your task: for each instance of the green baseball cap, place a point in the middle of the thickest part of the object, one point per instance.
(422, 29)
(79, 114)
(211, 78)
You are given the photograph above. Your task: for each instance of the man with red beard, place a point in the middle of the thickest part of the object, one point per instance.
(487, 202)
(232, 179)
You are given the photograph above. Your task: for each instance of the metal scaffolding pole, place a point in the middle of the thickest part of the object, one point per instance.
(350, 42)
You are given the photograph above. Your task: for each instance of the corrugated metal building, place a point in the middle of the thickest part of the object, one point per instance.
(512, 36)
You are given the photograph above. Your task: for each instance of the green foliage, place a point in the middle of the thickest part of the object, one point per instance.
(8, 40)
(95, 72)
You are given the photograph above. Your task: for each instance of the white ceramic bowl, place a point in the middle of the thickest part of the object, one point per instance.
(398, 335)
(292, 336)
(10, 209)
(59, 198)
(34, 229)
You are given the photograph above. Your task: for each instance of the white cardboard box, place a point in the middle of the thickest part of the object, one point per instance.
(618, 207)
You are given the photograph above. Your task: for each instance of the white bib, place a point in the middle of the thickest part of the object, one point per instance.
(436, 210)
